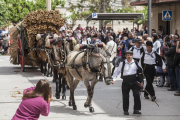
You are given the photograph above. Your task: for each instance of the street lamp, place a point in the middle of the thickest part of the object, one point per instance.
(113, 8)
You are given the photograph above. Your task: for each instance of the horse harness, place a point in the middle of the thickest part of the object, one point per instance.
(86, 64)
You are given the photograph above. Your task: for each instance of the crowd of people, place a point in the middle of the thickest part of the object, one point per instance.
(5, 42)
(167, 46)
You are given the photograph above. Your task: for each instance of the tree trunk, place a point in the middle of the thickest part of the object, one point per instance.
(102, 11)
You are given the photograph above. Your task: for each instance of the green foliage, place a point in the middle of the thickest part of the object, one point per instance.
(145, 11)
(18, 9)
(94, 6)
(3, 13)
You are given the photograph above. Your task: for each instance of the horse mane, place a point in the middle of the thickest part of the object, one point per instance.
(98, 52)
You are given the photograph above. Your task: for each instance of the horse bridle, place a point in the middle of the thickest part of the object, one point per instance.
(108, 62)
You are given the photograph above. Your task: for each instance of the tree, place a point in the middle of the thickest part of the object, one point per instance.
(94, 6)
(20, 8)
(3, 13)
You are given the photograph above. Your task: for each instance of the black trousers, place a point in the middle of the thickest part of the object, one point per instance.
(130, 83)
(149, 73)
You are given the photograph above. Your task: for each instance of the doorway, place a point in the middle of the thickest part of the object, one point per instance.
(164, 24)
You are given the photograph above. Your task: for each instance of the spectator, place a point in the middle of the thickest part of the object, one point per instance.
(156, 43)
(130, 40)
(5, 43)
(79, 27)
(169, 53)
(177, 68)
(124, 33)
(162, 54)
(107, 37)
(176, 33)
(111, 48)
(35, 101)
(160, 39)
(119, 35)
(119, 55)
(137, 32)
(171, 37)
(160, 32)
(95, 40)
(113, 34)
(84, 40)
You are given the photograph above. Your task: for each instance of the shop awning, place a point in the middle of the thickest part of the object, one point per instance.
(114, 16)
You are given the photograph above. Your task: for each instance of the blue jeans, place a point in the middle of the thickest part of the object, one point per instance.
(171, 75)
(177, 70)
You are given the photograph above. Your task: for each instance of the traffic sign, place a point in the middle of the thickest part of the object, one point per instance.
(94, 15)
(167, 15)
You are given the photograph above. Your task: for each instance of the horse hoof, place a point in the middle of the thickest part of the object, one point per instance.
(85, 105)
(57, 96)
(91, 109)
(70, 103)
(63, 97)
(74, 107)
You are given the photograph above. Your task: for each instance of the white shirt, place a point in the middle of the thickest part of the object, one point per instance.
(4, 32)
(157, 45)
(110, 49)
(129, 69)
(150, 59)
(137, 52)
(84, 42)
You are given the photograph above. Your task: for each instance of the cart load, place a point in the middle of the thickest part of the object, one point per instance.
(24, 35)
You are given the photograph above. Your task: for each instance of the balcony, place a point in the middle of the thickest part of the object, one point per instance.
(154, 2)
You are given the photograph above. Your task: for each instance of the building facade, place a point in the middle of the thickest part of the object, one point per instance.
(158, 6)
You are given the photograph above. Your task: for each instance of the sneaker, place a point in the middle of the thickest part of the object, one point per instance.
(176, 91)
(126, 113)
(177, 94)
(136, 112)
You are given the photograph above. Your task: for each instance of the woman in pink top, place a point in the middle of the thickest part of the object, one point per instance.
(35, 101)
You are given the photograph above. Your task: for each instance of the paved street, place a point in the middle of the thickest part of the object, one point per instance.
(107, 100)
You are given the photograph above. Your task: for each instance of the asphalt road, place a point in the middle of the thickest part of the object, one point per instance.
(107, 100)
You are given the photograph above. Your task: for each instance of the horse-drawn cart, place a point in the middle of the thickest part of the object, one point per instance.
(24, 36)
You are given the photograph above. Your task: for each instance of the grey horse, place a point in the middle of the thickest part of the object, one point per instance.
(98, 61)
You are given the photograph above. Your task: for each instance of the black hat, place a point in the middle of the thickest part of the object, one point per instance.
(148, 43)
(138, 40)
(94, 36)
(129, 52)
